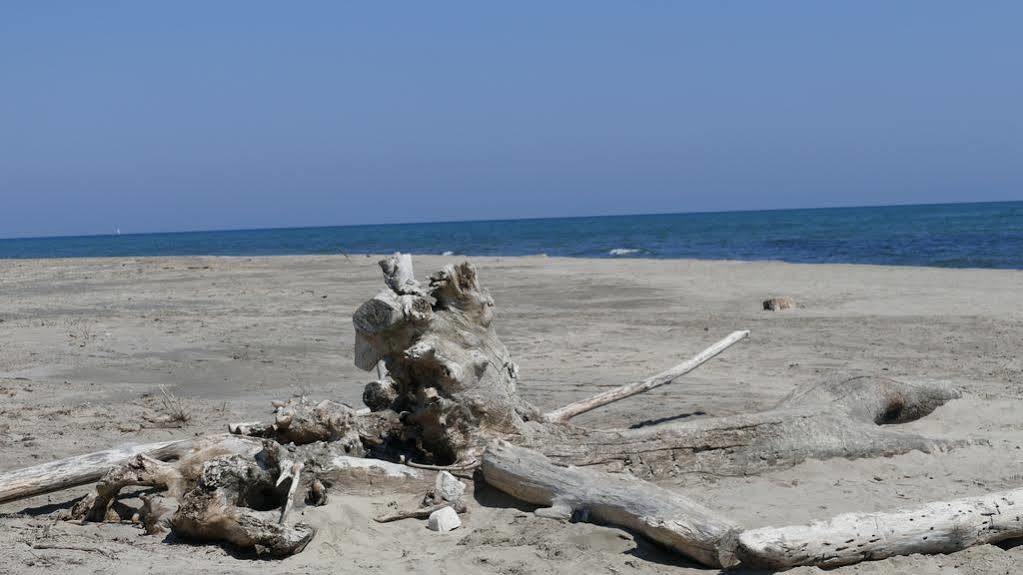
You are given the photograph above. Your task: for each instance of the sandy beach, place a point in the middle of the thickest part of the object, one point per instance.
(86, 344)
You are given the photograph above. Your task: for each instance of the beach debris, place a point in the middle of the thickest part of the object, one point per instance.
(779, 303)
(447, 487)
(447, 492)
(380, 394)
(242, 500)
(455, 379)
(156, 512)
(45, 545)
(443, 519)
(317, 495)
(573, 409)
(422, 512)
(937, 527)
(253, 428)
(668, 518)
(456, 408)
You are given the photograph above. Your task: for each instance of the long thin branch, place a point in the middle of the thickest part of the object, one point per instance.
(571, 410)
(87, 548)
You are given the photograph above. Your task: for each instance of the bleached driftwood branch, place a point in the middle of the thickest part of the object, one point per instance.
(937, 527)
(579, 407)
(89, 468)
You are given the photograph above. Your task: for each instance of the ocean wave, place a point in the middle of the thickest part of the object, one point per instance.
(448, 253)
(622, 252)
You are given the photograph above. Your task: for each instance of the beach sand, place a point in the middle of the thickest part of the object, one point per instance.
(85, 345)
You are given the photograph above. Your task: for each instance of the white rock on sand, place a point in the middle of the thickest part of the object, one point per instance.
(448, 487)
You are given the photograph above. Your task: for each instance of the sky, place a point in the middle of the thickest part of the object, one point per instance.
(188, 115)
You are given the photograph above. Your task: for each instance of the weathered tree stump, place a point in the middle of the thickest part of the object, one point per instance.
(454, 380)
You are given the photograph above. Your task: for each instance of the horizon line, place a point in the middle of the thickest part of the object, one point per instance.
(528, 219)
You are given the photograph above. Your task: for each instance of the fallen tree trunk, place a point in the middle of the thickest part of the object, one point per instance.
(664, 516)
(938, 527)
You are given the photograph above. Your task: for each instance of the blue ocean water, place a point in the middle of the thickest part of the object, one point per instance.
(985, 235)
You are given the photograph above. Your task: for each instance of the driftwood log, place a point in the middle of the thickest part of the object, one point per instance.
(616, 499)
(90, 467)
(939, 527)
(446, 395)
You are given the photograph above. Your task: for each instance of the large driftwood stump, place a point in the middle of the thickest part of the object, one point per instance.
(454, 380)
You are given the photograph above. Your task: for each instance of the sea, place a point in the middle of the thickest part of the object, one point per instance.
(979, 235)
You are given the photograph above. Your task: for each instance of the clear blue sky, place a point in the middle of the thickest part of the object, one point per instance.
(206, 115)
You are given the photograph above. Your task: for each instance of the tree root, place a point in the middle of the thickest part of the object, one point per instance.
(235, 500)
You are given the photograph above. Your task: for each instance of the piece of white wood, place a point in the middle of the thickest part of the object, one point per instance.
(371, 467)
(89, 468)
(399, 275)
(78, 470)
(573, 409)
(249, 428)
(616, 499)
(937, 527)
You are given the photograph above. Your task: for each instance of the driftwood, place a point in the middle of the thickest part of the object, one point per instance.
(714, 540)
(665, 517)
(571, 410)
(938, 527)
(454, 380)
(85, 469)
(849, 419)
(225, 488)
(419, 512)
(448, 398)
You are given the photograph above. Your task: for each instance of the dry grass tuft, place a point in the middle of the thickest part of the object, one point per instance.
(173, 407)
